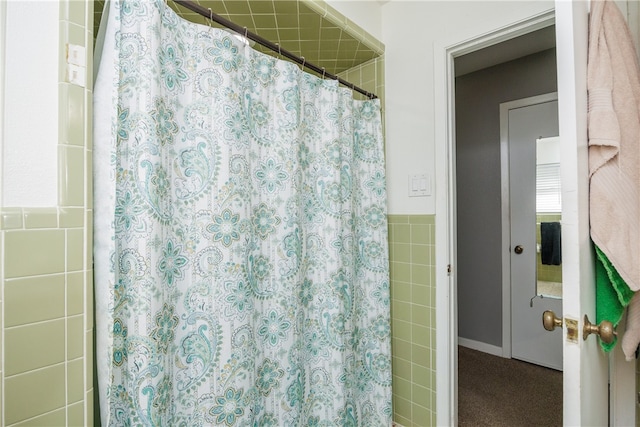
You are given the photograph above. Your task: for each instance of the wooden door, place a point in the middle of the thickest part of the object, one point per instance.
(585, 389)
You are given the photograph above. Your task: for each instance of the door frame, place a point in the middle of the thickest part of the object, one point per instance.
(622, 374)
(506, 209)
(445, 224)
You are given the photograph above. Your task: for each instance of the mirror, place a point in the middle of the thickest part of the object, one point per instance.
(548, 218)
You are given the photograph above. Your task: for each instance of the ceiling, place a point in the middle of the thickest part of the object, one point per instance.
(511, 49)
(303, 27)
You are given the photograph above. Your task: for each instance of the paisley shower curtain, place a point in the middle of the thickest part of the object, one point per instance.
(240, 245)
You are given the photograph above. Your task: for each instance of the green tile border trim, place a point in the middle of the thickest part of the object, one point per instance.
(347, 25)
(428, 219)
(398, 219)
(11, 219)
(422, 219)
(62, 217)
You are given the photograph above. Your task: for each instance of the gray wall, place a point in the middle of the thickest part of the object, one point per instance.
(479, 264)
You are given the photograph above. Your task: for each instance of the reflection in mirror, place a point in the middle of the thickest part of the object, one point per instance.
(548, 218)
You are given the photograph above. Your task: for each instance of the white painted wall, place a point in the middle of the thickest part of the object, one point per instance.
(410, 29)
(29, 103)
(3, 25)
(365, 13)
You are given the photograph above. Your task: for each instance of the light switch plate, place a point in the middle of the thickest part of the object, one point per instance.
(419, 185)
(76, 64)
(76, 75)
(76, 55)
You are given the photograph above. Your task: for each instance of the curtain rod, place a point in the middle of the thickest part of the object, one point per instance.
(207, 13)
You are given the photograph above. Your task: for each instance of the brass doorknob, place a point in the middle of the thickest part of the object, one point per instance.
(550, 321)
(604, 330)
(518, 249)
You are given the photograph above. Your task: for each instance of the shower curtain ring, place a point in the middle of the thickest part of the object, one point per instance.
(210, 16)
(303, 62)
(279, 51)
(324, 71)
(245, 34)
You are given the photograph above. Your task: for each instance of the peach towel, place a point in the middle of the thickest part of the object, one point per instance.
(614, 151)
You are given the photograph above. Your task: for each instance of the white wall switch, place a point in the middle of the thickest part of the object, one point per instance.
(76, 65)
(419, 185)
(76, 55)
(76, 75)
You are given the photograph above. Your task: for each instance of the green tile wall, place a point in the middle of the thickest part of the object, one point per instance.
(368, 76)
(412, 264)
(46, 270)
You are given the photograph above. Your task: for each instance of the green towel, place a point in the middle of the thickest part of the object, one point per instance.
(612, 294)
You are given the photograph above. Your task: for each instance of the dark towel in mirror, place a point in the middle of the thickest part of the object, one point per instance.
(550, 243)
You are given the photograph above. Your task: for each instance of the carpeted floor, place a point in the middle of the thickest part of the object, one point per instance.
(494, 391)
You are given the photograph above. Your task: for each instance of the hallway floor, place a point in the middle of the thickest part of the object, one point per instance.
(494, 391)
